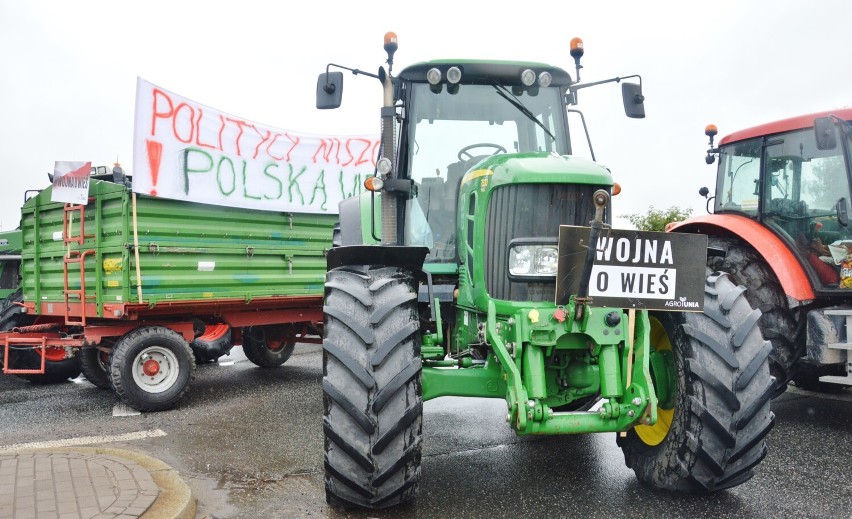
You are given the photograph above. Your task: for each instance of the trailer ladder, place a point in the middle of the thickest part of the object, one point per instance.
(844, 346)
(75, 256)
(68, 220)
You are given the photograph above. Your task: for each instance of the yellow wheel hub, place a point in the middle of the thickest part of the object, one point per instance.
(656, 433)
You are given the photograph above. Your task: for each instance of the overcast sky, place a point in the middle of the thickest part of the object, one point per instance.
(68, 72)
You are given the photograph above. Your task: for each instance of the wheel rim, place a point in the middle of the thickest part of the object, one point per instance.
(103, 360)
(272, 342)
(155, 369)
(656, 433)
(53, 354)
(274, 345)
(215, 332)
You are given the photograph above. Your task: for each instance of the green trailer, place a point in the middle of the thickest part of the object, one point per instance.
(137, 283)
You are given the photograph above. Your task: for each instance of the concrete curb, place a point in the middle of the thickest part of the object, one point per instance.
(175, 500)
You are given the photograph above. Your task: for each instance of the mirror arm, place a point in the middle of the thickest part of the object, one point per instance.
(329, 88)
(575, 87)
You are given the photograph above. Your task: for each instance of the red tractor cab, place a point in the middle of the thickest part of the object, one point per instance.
(779, 224)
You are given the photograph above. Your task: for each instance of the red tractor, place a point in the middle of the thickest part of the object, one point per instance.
(779, 225)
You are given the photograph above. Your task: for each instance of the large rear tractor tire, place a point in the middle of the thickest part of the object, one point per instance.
(372, 395)
(152, 368)
(95, 366)
(11, 313)
(778, 323)
(268, 346)
(711, 435)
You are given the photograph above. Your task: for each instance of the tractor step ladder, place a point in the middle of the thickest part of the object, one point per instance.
(78, 257)
(845, 346)
(37, 344)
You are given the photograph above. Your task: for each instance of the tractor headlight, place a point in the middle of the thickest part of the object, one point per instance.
(528, 77)
(520, 260)
(546, 259)
(531, 258)
(453, 75)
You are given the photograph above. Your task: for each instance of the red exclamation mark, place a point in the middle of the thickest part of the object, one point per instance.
(155, 152)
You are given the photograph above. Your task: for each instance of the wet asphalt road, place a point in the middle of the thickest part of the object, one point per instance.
(249, 443)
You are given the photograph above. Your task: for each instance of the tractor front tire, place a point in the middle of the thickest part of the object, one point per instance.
(372, 392)
(714, 436)
(152, 368)
(764, 292)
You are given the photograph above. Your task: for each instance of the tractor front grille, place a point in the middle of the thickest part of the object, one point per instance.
(530, 211)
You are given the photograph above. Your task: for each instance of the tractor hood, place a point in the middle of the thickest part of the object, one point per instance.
(539, 167)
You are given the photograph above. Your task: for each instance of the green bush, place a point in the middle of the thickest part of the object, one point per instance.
(656, 219)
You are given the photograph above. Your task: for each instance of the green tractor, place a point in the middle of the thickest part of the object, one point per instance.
(448, 278)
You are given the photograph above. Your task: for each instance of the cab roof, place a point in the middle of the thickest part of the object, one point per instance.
(485, 71)
(784, 125)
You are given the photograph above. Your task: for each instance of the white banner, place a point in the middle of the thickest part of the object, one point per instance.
(187, 151)
(71, 182)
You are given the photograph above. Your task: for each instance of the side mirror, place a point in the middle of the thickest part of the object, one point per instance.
(826, 137)
(842, 214)
(329, 90)
(634, 101)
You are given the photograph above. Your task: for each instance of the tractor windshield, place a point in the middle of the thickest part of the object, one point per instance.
(800, 192)
(450, 131)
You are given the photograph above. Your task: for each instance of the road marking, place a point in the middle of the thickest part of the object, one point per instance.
(85, 440)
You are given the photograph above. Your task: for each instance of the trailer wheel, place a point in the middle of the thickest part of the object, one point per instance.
(711, 434)
(212, 344)
(94, 364)
(372, 396)
(152, 368)
(57, 368)
(778, 323)
(268, 346)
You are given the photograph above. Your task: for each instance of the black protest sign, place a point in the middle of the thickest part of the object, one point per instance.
(634, 269)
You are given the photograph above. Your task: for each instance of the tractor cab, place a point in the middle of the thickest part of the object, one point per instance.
(793, 177)
(453, 126)
(441, 120)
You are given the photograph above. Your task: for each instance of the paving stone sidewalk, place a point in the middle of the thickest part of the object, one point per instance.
(83, 484)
